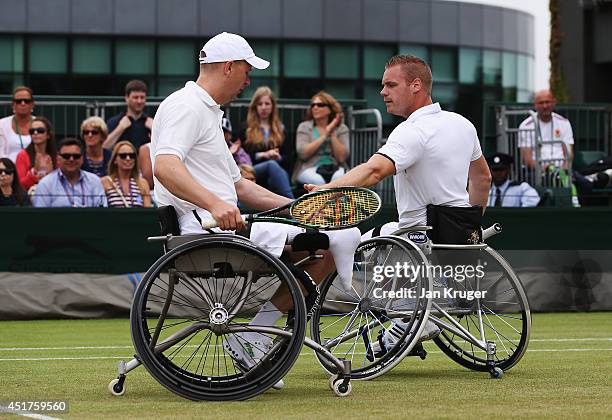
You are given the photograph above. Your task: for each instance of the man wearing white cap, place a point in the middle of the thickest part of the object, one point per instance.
(194, 172)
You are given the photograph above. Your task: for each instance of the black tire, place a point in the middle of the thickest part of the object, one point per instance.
(214, 270)
(338, 306)
(505, 315)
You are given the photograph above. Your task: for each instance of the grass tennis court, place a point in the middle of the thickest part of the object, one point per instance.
(567, 372)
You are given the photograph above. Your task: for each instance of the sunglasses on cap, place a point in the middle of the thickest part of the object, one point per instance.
(318, 105)
(90, 132)
(7, 171)
(23, 101)
(39, 130)
(126, 155)
(67, 156)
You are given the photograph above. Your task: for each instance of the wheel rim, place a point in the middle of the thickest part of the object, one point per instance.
(504, 315)
(343, 313)
(213, 276)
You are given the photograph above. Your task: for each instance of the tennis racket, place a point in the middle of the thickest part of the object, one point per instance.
(330, 209)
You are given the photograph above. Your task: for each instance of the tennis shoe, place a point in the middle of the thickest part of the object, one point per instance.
(248, 353)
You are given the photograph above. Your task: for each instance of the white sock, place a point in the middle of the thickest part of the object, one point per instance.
(267, 315)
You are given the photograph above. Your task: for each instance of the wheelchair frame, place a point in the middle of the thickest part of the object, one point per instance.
(218, 320)
(435, 313)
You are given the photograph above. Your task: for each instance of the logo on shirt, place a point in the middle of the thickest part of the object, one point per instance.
(557, 132)
(417, 237)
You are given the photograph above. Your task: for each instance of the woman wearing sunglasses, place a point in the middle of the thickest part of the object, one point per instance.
(93, 132)
(11, 192)
(263, 139)
(39, 158)
(14, 129)
(322, 142)
(124, 186)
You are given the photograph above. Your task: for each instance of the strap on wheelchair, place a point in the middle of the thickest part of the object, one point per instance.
(310, 241)
(376, 231)
(168, 221)
(305, 280)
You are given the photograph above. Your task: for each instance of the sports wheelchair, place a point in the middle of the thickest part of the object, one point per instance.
(486, 332)
(200, 296)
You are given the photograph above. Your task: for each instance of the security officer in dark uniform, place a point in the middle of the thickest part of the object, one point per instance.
(505, 192)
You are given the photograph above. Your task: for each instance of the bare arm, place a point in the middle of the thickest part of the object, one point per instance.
(479, 182)
(173, 175)
(367, 174)
(113, 136)
(257, 197)
(527, 157)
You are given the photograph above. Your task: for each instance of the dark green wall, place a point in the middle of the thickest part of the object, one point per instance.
(114, 240)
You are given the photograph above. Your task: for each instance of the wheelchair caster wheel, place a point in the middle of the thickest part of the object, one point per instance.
(496, 373)
(116, 387)
(342, 390)
(332, 379)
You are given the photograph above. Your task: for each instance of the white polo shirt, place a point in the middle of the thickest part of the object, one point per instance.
(188, 125)
(557, 129)
(432, 151)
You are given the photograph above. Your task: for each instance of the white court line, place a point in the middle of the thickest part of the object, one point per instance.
(130, 347)
(39, 359)
(26, 414)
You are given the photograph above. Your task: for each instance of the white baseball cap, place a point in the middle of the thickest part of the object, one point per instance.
(230, 47)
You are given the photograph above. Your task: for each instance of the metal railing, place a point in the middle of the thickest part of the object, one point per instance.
(67, 114)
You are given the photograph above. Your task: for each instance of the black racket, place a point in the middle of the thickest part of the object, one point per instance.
(330, 209)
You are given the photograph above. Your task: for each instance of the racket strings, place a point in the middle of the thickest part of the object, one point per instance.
(336, 208)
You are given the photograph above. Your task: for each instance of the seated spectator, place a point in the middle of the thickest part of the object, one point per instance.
(14, 129)
(322, 142)
(235, 145)
(507, 193)
(123, 185)
(12, 192)
(247, 172)
(596, 175)
(68, 185)
(94, 133)
(39, 157)
(144, 163)
(263, 138)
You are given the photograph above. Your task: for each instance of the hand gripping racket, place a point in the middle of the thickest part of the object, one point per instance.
(330, 209)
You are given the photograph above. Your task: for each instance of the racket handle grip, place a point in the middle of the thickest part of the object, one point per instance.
(212, 223)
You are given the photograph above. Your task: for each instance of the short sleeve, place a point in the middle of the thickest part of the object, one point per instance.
(568, 134)
(233, 167)
(404, 147)
(178, 131)
(526, 133)
(476, 151)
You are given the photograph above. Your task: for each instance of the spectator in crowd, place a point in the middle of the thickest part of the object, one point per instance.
(123, 185)
(248, 173)
(238, 153)
(132, 124)
(322, 142)
(263, 138)
(15, 129)
(549, 127)
(144, 163)
(505, 192)
(12, 193)
(39, 157)
(68, 185)
(596, 175)
(93, 132)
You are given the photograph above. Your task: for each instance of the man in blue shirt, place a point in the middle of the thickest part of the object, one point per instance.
(68, 185)
(507, 193)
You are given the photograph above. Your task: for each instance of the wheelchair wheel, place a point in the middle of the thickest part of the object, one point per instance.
(190, 320)
(501, 316)
(352, 323)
